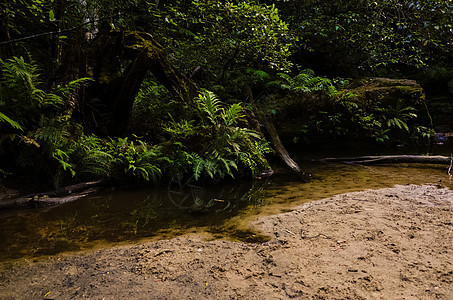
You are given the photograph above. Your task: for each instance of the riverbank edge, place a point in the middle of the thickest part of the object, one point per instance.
(392, 243)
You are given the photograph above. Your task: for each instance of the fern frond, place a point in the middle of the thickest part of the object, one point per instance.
(198, 166)
(16, 69)
(69, 88)
(211, 169)
(209, 104)
(287, 78)
(308, 72)
(96, 162)
(12, 123)
(50, 99)
(232, 114)
(62, 157)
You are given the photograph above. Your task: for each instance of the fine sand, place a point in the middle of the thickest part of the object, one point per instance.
(393, 243)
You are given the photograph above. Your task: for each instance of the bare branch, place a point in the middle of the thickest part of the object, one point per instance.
(53, 32)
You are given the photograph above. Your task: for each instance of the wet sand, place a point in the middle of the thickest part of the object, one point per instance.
(391, 243)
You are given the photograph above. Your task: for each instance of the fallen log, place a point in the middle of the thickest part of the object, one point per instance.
(59, 196)
(389, 159)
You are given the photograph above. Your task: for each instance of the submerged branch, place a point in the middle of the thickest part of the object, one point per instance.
(385, 159)
(59, 196)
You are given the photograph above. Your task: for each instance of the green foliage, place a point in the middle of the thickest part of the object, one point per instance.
(38, 115)
(137, 161)
(222, 36)
(209, 106)
(305, 82)
(118, 158)
(372, 34)
(422, 134)
(214, 167)
(398, 116)
(348, 118)
(22, 97)
(152, 107)
(331, 110)
(232, 46)
(91, 157)
(12, 123)
(227, 148)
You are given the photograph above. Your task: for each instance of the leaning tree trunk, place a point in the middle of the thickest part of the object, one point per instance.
(278, 146)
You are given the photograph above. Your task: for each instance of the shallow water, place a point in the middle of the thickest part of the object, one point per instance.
(220, 211)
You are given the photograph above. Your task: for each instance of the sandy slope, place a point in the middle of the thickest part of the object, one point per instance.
(394, 243)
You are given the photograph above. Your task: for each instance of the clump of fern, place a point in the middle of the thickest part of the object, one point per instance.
(304, 82)
(137, 161)
(227, 149)
(120, 159)
(35, 118)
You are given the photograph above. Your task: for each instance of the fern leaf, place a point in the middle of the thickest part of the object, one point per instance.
(209, 104)
(211, 168)
(69, 88)
(232, 114)
(198, 168)
(12, 123)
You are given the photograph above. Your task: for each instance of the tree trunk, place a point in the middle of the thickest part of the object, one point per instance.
(278, 145)
(149, 56)
(130, 86)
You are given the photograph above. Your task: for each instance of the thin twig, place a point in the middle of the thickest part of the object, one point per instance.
(303, 236)
(451, 163)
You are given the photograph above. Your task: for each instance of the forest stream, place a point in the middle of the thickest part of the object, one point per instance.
(221, 211)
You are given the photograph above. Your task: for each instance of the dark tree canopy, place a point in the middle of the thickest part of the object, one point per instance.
(142, 89)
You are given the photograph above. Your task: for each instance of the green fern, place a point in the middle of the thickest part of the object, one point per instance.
(399, 115)
(63, 158)
(198, 166)
(228, 148)
(305, 82)
(17, 72)
(12, 123)
(65, 91)
(96, 163)
(209, 104)
(231, 115)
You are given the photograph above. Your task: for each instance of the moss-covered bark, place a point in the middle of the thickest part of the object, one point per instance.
(146, 55)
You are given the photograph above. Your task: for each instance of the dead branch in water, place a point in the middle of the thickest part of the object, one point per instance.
(60, 196)
(451, 163)
(390, 159)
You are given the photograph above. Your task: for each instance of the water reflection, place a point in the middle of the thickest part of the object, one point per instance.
(222, 210)
(124, 215)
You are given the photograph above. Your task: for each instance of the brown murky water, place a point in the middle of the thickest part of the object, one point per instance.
(221, 211)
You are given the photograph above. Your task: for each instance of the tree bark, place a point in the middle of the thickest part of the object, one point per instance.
(279, 148)
(149, 56)
(278, 145)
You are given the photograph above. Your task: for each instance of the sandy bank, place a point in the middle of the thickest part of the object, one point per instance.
(394, 243)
